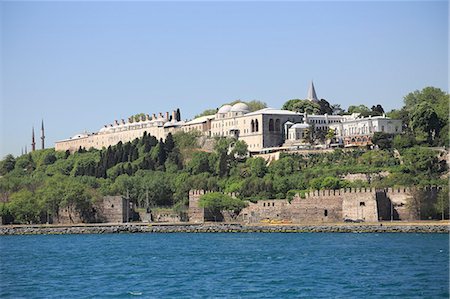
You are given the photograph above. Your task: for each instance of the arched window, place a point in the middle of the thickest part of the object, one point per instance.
(271, 125)
(252, 126)
(277, 125)
(256, 126)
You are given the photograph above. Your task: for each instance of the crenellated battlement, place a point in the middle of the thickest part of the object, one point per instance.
(198, 193)
(337, 192)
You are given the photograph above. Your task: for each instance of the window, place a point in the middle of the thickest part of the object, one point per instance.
(277, 125)
(253, 126)
(325, 213)
(362, 204)
(271, 125)
(256, 126)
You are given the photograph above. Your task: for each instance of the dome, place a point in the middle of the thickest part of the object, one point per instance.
(240, 107)
(79, 136)
(300, 126)
(224, 109)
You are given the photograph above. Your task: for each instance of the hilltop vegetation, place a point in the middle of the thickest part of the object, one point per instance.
(161, 173)
(44, 180)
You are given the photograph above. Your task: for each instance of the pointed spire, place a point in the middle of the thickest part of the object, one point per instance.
(42, 135)
(26, 150)
(312, 93)
(33, 142)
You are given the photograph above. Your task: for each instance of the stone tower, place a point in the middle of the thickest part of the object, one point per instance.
(42, 135)
(312, 93)
(33, 142)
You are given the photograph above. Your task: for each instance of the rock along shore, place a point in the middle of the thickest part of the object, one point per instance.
(223, 228)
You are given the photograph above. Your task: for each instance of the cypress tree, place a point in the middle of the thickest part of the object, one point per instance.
(169, 144)
(162, 154)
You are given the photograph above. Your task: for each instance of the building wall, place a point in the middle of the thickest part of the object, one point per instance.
(360, 131)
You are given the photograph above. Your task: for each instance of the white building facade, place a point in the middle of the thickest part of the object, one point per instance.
(359, 131)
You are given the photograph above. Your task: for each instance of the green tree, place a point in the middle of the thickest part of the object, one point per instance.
(442, 204)
(256, 105)
(331, 183)
(325, 107)
(7, 164)
(199, 163)
(239, 149)
(302, 106)
(206, 112)
(403, 141)
(358, 109)
(221, 202)
(24, 207)
(257, 166)
(382, 140)
(424, 119)
(377, 110)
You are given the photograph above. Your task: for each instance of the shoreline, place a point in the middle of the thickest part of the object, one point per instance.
(107, 228)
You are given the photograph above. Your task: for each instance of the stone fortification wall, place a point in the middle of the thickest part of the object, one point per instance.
(110, 209)
(196, 214)
(317, 207)
(113, 209)
(68, 215)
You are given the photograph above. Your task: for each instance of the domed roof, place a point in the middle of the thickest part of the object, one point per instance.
(224, 109)
(79, 136)
(300, 126)
(240, 107)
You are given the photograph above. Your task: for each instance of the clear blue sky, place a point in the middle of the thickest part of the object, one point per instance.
(80, 65)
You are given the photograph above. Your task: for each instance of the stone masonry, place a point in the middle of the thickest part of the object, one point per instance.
(350, 204)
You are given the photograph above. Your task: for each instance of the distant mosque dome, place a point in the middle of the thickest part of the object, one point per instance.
(240, 107)
(224, 109)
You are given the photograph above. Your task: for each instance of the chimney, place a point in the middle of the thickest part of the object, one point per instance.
(160, 115)
(174, 115)
(153, 116)
(147, 117)
(116, 122)
(167, 115)
(123, 121)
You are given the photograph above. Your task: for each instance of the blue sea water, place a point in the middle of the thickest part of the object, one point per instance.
(255, 265)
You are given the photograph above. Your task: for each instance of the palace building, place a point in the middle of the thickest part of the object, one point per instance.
(267, 128)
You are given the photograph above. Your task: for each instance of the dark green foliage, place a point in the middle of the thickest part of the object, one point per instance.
(382, 140)
(161, 173)
(7, 164)
(302, 106)
(377, 110)
(219, 201)
(325, 107)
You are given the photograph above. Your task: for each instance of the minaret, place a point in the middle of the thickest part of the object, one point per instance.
(26, 150)
(312, 93)
(33, 143)
(42, 135)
